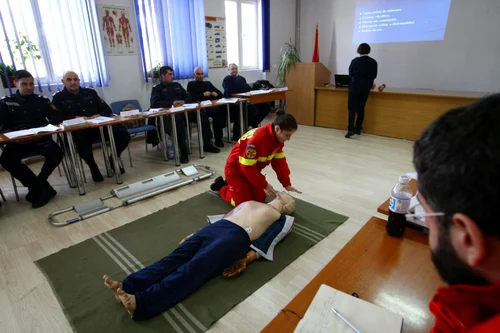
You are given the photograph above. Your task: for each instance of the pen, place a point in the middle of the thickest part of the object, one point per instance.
(347, 321)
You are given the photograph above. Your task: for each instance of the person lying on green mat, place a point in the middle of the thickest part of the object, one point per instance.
(199, 258)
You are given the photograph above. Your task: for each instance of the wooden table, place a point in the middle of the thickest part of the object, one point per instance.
(395, 113)
(256, 97)
(395, 273)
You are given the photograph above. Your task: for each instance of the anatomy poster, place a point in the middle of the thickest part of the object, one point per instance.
(117, 30)
(215, 28)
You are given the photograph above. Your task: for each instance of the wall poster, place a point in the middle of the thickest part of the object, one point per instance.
(116, 30)
(215, 28)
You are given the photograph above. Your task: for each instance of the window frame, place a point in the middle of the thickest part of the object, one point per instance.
(258, 21)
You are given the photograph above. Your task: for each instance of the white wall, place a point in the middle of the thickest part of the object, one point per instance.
(467, 59)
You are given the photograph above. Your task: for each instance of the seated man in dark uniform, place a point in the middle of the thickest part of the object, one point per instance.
(24, 110)
(200, 90)
(169, 93)
(235, 84)
(75, 101)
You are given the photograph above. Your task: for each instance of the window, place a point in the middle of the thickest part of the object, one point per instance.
(243, 33)
(49, 37)
(172, 33)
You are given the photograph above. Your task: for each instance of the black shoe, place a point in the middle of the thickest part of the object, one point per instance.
(122, 170)
(349, 134)
(33, 194)
(219, 143)
(47, 193)
(96, 174)
(218, 183)
(184, 157)
(210, 148)
(357, 132)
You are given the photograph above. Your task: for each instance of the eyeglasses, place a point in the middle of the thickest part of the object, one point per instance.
(423, 214)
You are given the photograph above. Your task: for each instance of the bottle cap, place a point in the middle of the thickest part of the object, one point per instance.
(404, 179)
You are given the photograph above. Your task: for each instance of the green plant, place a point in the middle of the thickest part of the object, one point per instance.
(25, 49)
(8, 69)
(289, 56)
(155, 71)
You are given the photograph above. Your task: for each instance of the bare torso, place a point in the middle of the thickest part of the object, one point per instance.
(255, 217)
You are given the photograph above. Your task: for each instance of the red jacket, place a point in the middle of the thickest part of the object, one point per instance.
(467, 308)
(253, 152)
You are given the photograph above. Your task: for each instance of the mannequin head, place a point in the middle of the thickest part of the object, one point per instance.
(284, 201)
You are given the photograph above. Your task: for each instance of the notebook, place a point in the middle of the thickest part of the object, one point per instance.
(31, 131)
(368, 317)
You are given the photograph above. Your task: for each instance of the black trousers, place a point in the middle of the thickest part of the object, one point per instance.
(256, 114)
(14, 152)
(356, 104)
(205, 124)
(219, 117)
(85, 138)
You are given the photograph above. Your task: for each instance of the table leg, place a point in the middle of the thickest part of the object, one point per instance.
(114, 155)
(188, 132)
(228, 124)
(242, 125)
(163, 137)
(175, 141)
(109, 168)
(76, 165)
(200, 133)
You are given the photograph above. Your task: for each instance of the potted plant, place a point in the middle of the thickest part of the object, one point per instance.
(289, 56)
(9, 70)
(155, 71)
(21, 51)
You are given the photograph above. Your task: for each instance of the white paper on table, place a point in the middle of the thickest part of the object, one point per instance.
(227, 100)
(177, 109)
(99, 120)
(257, 92)
(205, 103)
(413, 175)
(190, 105)
(73, 122)
(130, 113)
(32, 131)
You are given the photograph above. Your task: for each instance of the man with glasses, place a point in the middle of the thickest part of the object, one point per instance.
(201, 90)
(457, 159)
(75, 101)
(24, 110)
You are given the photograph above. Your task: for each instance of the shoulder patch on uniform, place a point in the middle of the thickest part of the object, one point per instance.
(251, 153)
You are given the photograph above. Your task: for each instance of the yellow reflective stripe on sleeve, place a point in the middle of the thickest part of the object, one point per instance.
(280, 155)
(233, 203)
(246, 161)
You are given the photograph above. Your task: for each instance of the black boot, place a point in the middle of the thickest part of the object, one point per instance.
(218, 183)
(219, 143)
(96, 174)
(184, 156)
(208, 147)
(47, 192)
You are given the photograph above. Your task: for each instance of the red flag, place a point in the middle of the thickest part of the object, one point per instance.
(316, 50)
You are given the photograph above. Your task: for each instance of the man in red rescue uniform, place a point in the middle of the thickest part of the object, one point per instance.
(457, 159)
(255, 150)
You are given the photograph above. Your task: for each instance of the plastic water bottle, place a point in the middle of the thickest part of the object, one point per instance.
(399, 204)
(170, 149)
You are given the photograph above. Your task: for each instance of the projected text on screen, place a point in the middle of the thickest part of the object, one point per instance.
(400, 21)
